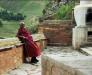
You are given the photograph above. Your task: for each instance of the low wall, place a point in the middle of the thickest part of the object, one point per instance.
(56, 65)
(57, 32)
(10, 58)
(11, 52)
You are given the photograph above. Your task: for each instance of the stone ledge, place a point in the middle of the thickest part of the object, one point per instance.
(7, 43)
(87, 50)
(38, 37)
(55, 65)
(56, 22)
(10, 47)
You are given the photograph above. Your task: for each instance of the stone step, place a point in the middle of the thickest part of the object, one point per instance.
(89, 39)
(89, 43)
(87, 50)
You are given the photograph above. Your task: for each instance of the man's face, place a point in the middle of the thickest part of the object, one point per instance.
(22, 25)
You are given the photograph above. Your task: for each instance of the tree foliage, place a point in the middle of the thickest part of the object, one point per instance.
(1, 24)
(8, 15)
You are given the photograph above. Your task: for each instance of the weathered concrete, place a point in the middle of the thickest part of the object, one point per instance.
(56, 65)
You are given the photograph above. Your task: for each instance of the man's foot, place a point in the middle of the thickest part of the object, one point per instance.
(34, 60)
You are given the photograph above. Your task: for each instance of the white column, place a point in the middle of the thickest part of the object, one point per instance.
(79, 37)
(80, 15)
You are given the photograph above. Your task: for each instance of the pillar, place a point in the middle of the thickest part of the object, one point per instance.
(79, 37)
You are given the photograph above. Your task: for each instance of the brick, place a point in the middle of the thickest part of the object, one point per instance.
(57, 33)
(10, 59)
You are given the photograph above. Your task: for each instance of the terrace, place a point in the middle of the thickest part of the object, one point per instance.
(64, 52)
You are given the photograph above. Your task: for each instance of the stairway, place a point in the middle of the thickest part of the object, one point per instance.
(89, 41)
(87, 48)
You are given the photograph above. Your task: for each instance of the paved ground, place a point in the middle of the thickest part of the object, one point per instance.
(62, 51)
(28, 69)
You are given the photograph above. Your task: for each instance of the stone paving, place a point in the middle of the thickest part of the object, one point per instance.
(56, 65)
(62, 51)
(66, 62)
(29, 69)
(26, 69)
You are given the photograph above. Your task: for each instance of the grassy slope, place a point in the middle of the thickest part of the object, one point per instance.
(28, 7)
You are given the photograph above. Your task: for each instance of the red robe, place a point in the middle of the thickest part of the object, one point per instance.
(31, 48)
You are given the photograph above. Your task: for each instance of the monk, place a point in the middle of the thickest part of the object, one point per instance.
(30, 47)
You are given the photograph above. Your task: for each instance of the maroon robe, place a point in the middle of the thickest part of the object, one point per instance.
(31, 48)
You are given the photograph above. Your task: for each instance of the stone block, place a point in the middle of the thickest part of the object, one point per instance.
(56, 65)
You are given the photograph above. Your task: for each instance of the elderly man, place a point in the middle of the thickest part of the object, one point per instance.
(30, 47)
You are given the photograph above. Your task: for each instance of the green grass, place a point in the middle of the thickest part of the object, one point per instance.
(29, 8)
(9, 29)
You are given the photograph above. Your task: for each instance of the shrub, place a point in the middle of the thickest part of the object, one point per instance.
(65, 11)
(8, 15)
(33, 25)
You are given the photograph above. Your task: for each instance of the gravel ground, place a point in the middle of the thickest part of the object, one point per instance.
(29, 69)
